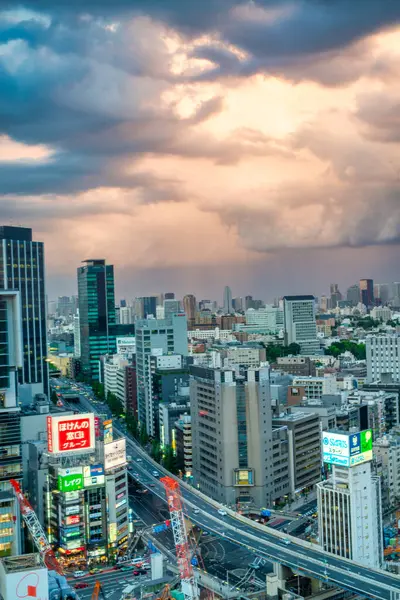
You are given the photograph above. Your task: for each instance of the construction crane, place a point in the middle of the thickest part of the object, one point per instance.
(165, 594)
(183, 554)
(36, 530)
(96, 591)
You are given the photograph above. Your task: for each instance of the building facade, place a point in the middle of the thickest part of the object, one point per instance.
(367, 292)
(383, 357)
(300, 324)
(22, 269)
(232, 434)
(155, 337)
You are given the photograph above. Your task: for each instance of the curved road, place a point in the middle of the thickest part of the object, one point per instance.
(301, 556)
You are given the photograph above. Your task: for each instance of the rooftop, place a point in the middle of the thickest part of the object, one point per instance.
(25, 562)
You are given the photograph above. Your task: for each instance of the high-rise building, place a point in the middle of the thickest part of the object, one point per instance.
(11, 357)
(77, 335)
(367, 292)
(169, 296)
(96, 313)
(353, 295)
(336, 296)
(228, 308)
(149, 306)
(156, 337)
(190, 308)
(171, 307)
(232, 434)
(300, 325)
(382, 293)
(383, 357)
(349, 502)
(22, 268)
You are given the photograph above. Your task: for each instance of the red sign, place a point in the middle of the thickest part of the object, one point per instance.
(97, 427)
(73, 520)
(49, 435)
(72, 433)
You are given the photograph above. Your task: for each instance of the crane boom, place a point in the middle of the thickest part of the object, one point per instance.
(189, 585)
(36, 530)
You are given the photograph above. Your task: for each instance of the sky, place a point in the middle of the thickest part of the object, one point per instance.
(195, 145)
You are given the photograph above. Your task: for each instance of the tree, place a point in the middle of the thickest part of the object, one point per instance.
(337, 348)
(132, 425)
(143, 437)
(156, 451)
(98, 389)
(169, 460)
(114, 404)
(274, 351)
(53, 397)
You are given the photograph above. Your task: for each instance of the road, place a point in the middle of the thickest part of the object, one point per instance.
(114, 583)
(301, 556)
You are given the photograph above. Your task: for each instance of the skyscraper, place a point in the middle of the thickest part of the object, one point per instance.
(190, 308)
(300, 325)
(228, 308)
(22, 268)
(96, 313)
(353, 295)
(11, 359)
(171, 307)
(367, 292)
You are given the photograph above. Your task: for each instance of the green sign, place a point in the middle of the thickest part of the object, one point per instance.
(366, 440)
(70, 483)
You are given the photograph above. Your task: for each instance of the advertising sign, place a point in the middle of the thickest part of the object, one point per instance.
(108, 431)
(70, 480)
(73, 520)
(72, 510)
(71, 496)
(93, 471)
(346, 449)
(74, 433)
(244, 477)
(31, 585)
(115, 454)
(97, 427)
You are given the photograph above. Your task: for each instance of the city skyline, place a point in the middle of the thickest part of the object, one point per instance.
(205, 141)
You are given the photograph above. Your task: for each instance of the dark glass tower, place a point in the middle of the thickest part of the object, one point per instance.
(96, 314)
(22, 268)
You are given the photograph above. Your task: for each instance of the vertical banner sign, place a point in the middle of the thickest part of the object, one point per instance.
(49, 435)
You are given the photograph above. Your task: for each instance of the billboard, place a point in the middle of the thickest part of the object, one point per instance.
(73, 520)
(32, 585)
(70, 480)
(244, 477)
(346, 449)
(115, 454)
(108, 431)
(74, 433)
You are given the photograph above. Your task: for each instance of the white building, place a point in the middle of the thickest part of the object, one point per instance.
(126, 315)
(315, 387)
(387, 457)
(300, 325)
(114, 377)
(349, 514)
(245, 356)
(211, 334)
(383, 356)
(381, 313)
(269, 318)
(164, 336)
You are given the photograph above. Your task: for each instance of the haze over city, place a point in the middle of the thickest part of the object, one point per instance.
(201, 143)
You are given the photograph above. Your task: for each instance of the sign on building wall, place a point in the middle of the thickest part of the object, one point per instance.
(70, 480)
(115, 454)
(346, 449)
(108, 431)
(32, 585)
(244, 477)
(70, 434)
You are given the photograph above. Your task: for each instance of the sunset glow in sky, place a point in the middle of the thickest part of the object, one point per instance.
(198, 144)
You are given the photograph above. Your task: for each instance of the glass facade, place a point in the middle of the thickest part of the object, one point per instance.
(96, 314)
(22, 268)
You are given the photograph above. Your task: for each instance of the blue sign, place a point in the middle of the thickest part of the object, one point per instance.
(355, 444)
(96, 470)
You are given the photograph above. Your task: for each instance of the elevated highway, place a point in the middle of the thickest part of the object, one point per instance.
(301, 556)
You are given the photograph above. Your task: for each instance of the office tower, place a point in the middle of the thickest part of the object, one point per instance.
(237, 304)
(22, 268)
(171, 307)
(395, 294)
(381, 293)
(125, 315)
(155, 337)
(96, 313)
(324, 303)
(367, 292)
(299, 321)
(383, 357)
(349, 502)
(304, 446)
(353, 295)
(169, 296)
(149, 306)
(190, 308)
(122, 303)
(232, 434)
(336, 296)
(11, 359)
(77, 335)
(228, 308)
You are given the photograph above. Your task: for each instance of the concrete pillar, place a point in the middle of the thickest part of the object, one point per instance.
(272, 586)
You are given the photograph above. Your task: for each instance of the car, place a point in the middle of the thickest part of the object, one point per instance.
(138, 459)
(254, 566)
(205, 533)
(126, 568)
(286, 541)
(81, 585)
(152, 485)
(155, 474)
(79, 574)
(196, 511)
(136, 573)
(222, 512)
(138, 560)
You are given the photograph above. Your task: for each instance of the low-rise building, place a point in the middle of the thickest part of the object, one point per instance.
(315, 387)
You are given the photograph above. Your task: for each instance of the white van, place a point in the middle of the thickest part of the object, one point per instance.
(137, 561)
(78, 574)
(222, 512)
